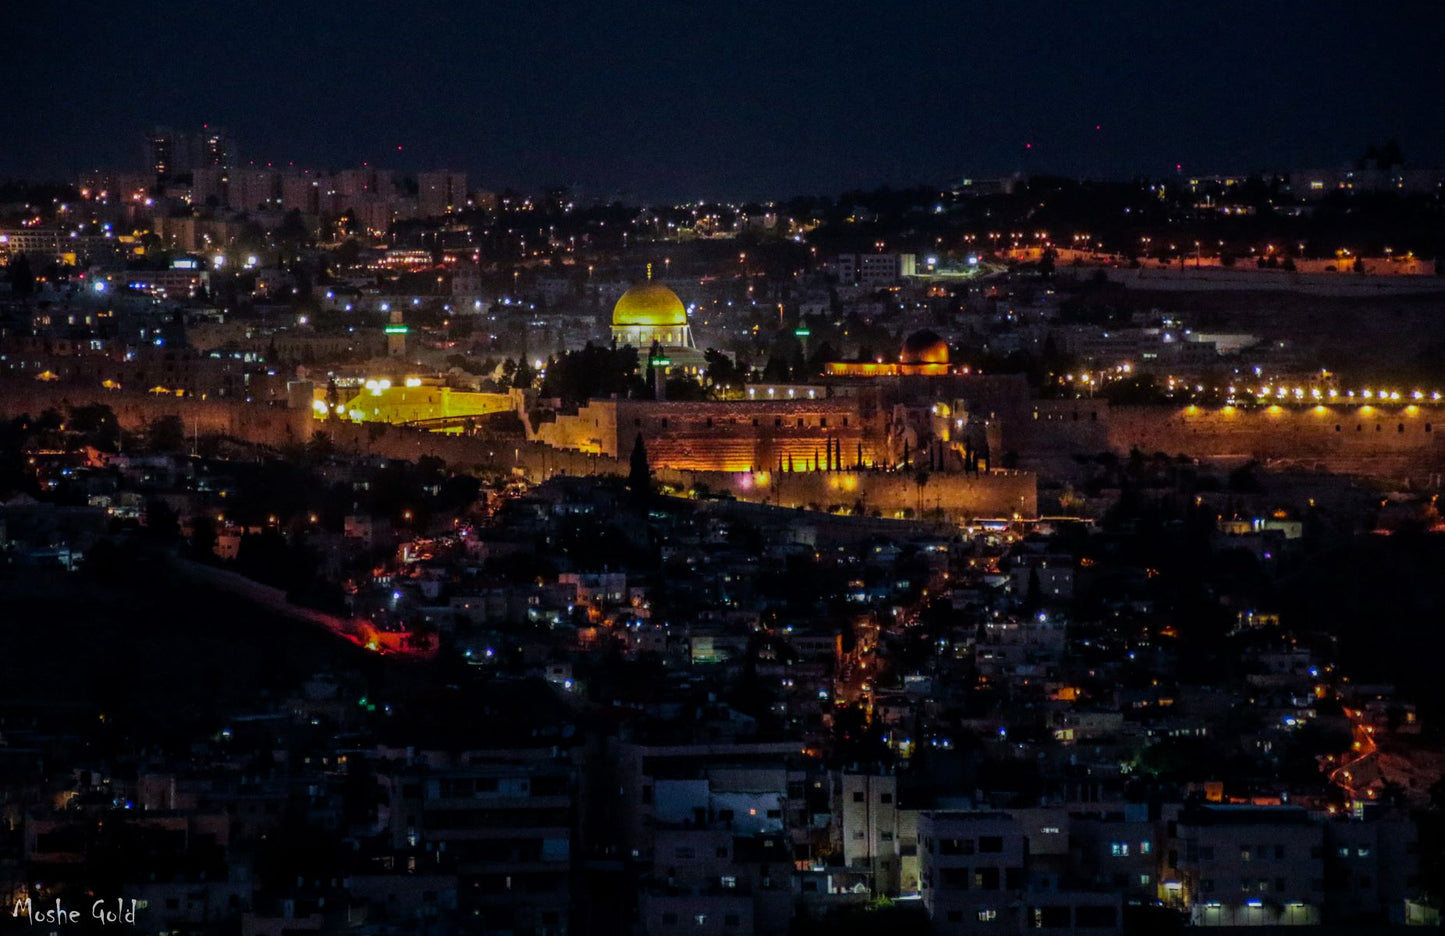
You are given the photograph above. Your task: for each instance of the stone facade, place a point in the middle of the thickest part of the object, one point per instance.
(727, 436)
(1392, 442)
(909, 494)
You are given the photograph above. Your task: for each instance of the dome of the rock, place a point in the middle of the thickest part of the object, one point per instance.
(650, 305)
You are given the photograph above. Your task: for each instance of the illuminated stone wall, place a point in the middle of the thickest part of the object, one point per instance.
(415, 404)
(954, 496)
(1387, 441)
(1392, 442)
(264, 424)
(887, 369)
(592, 429)
(718, 436)
(1048, 433)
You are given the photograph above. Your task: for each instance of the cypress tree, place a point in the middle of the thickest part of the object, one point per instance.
(639, 475)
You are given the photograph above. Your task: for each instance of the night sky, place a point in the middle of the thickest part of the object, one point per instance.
(681, 100)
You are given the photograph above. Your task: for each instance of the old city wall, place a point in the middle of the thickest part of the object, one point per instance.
(258, 423)
(890, 493)
(739, 449)
(719, 436)
(1051, 427)
(1399, 442)
(954, 495)
(532, 460)
(593, 428)
(275, 426)
(1392, 442)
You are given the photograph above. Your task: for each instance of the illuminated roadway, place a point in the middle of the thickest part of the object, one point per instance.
(357, 632)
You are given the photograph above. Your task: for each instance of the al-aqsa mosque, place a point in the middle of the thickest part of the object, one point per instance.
(924, 354)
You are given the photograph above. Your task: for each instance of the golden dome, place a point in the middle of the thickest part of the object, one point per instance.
(924, 347)
(649, 304)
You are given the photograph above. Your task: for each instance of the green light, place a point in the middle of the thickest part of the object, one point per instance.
(802, 333)
(661, 362)
(396, 329)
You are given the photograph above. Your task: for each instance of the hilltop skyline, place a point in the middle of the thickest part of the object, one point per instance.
(659, 103)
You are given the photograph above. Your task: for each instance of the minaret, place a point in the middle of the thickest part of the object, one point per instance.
(396, 333)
